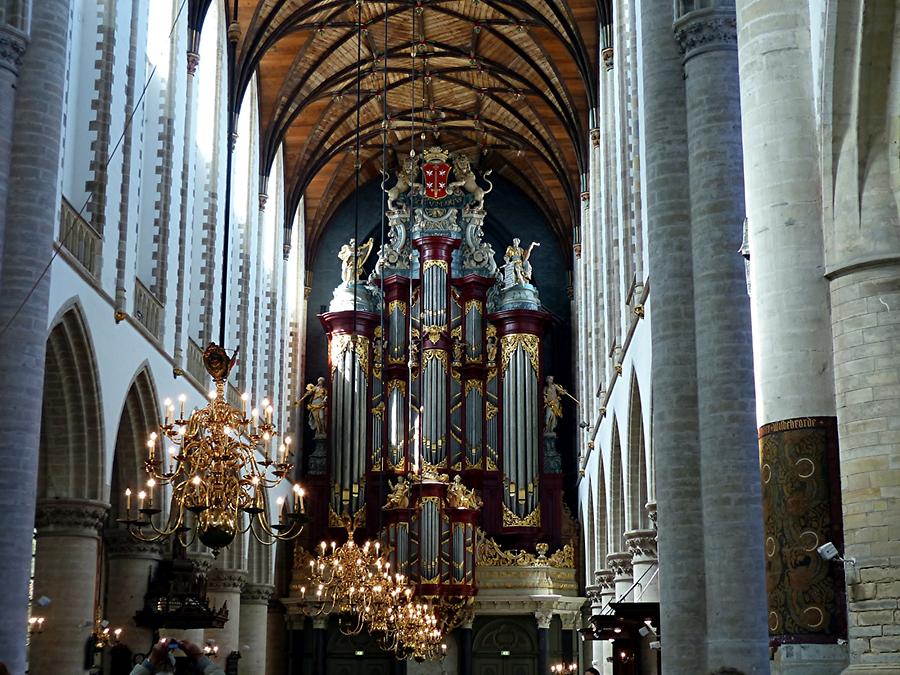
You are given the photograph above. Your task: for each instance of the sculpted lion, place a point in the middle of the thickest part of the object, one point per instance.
(466, 180)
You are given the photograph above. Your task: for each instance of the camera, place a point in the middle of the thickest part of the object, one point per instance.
(828, 551)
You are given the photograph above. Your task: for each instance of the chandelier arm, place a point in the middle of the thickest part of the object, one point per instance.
(137, 533)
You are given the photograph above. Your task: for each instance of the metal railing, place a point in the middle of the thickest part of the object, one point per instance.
(148, 310)
(195, 363)
(79, 238)
(233, 396)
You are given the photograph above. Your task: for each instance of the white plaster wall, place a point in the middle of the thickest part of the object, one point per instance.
(123, 349)
(637, 360)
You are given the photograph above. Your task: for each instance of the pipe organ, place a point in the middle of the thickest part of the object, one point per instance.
(436, 411)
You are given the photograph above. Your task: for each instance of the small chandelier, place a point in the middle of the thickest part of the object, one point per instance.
(219, 464)
(565, 668)
(102, 635)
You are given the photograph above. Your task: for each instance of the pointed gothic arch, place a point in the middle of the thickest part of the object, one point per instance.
(139, 417)
(616, 518)
(259, 563)
(72, 457)
(601, 517)
(637, 484)
(590, 544)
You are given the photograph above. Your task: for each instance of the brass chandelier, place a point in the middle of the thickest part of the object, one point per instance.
(218, 464)
(357, 584)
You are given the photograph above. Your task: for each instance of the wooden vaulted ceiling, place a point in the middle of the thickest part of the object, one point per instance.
(510, 82)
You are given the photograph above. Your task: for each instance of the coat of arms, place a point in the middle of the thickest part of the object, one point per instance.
(436, 172)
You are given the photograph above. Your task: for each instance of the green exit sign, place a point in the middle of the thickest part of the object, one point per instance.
(504, 652)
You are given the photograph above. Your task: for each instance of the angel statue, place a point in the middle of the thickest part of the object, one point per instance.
(517, 269)
(317, 405)
(553, 394)
(398, 497)
(353, 259)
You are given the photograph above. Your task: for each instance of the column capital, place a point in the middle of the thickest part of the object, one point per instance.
(641, 544)
(70, 517)
(594, 595)
(193, 61)
(294, 621)
(467, 616)
(13, 43)
(225, 580)
(620, 564)
(119, 543)
(706, 30)
(202, 562)
(595, 137)
(604, 580)
(256, 594)
(543, 617)
(650, 507)
(607, 55)
(569, 620)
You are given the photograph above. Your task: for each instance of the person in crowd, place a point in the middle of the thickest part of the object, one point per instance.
(159, 660)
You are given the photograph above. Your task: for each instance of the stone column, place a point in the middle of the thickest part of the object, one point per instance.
(224, 587)
(605, 580)
(33, 205)
(131, 563)
(730, 484)
(276, 639)
(186, 204)
(642, 547)
(623, 576)
(295, 625)
(791, 333)
(465, 647)
(675, 424)
(254, 627)
(68, 535)
(568, 621)
(13, 41)
(320, 645)
(543, 617)
(592, 650)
